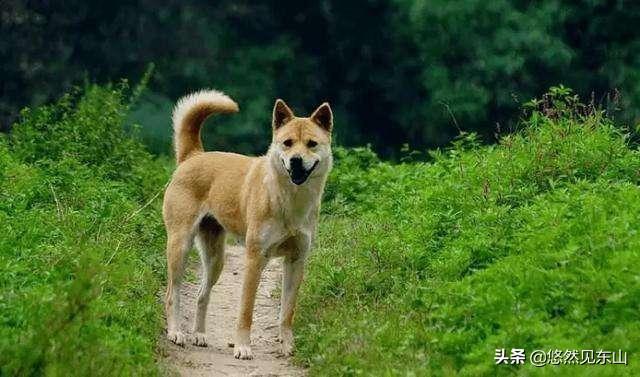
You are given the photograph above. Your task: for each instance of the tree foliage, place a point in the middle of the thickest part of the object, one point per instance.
(395, 71)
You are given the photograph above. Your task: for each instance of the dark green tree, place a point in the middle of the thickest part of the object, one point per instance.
(395, 71)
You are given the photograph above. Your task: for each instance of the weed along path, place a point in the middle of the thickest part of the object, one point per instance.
(217, 359)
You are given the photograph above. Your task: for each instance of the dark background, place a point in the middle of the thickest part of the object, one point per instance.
(396, 72)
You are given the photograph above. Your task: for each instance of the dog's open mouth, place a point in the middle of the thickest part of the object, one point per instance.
(298, 173)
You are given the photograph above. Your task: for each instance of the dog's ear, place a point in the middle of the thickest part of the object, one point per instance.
(281, 114)
(323, 117)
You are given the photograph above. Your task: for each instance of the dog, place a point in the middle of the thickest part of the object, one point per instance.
(272, 202)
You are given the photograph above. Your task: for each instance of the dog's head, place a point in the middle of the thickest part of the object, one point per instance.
(301, 147)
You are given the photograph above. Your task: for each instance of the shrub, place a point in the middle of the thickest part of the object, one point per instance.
(527, 244)
(81, 251)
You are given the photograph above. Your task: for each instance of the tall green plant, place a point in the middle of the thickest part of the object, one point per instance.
(82, 239)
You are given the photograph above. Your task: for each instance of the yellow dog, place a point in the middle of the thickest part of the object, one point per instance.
(271, 201)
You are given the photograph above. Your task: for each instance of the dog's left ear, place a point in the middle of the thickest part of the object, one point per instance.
(323, 117)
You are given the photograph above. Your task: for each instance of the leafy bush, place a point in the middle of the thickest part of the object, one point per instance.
(81, 251)
(427, 268)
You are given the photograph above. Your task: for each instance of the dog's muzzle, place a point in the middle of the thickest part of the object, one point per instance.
(297, 172)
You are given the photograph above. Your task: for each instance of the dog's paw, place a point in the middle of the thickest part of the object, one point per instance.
(243, 352)
(287, 346)
(200, 339)
(176, 337)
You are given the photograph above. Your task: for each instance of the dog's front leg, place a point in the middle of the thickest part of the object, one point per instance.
(293, 270)
(254, 263)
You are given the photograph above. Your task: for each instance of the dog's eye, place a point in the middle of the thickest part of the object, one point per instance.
(287, 143)
(311, 143)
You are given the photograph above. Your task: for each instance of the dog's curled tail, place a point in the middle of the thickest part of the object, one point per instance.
(189, 114)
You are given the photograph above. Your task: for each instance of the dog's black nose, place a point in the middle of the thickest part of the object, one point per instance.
(296, 163)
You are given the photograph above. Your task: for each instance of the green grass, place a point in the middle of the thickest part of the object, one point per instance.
(81, 253)
(419, 268)
(427, 268)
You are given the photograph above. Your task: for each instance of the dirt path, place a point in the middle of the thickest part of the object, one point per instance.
(217, 359)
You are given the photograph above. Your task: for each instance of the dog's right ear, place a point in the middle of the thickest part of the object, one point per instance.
(281, 114)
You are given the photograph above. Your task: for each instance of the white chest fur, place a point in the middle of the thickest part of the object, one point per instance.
(294, 216)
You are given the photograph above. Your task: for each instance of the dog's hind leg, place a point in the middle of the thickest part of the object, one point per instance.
(177, 247)
(180, 232)
(210, 240)
(291, 279)
(292, 272)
